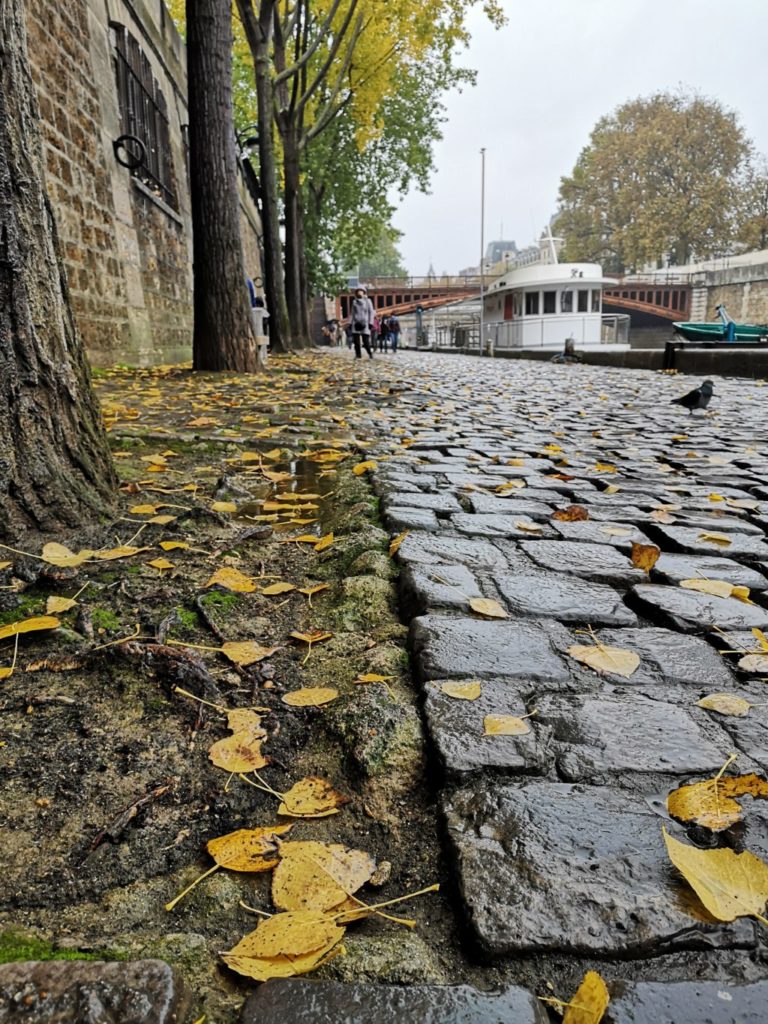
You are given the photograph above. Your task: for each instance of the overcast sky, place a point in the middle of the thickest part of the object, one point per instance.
(543, 82)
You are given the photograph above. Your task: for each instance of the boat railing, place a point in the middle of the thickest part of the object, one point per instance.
(464, 334)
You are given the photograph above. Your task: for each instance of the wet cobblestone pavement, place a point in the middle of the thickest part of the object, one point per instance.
(556, 831)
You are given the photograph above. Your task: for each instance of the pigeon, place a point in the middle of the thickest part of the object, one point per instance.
(697, 399)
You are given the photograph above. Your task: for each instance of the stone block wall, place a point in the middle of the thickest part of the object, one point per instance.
(743, 290)
(128, 254)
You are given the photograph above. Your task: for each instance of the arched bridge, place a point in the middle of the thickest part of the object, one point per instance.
(403, 294)
(668, 298)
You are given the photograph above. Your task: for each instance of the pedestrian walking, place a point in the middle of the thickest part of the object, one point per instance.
(384, 334)
(361, 317)
(375, 332)
(394, 332)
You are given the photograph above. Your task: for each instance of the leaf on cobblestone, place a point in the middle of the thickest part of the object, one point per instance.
(589, 1002)
(462, 691)
(718, 539)
(604, 467)
(32, 625)
(761, 638)
(726, 704)
(754, 663)
(729, 884)
(161, 563)
(615, 531)
(487, 607)
(248, 849)
(660, 516)
(318, 876)
(372, 677)
(311, 797)
(510, 485)
(224, 506)
(284, 965)
(324, 542)
(645, 556)
(571, 514)
(528, 527)
(246, 652)
(506, 725)
(123, 551)
(240, 752)
(61, 556)
(394, 545)
(713, 803)
(55, 605)
(604, 659)
(716, 588)
(364, 467)
(232, 579)
(310, 696)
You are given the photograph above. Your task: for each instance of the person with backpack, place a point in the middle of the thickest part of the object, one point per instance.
(361, 318)
(394, 332)
(384, 334)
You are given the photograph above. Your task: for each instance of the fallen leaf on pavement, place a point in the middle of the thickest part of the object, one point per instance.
(285, 945)
(246, 652)
(712, 803)
(571, 514)
(364, 467)
(725, 704)
(462, 691)
(232, 579)
(278, 588)
(603, 658)
(310, 696)
(645, 556)
(589, 1002)
(324, 542)
(248, 849)
(487, 607)
(719, 539)
(395, 544)
(240, 752)
(505, 725)
(37, 622)
(318, 876)
(311, 798)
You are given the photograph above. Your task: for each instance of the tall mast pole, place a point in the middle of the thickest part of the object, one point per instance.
(482, 250)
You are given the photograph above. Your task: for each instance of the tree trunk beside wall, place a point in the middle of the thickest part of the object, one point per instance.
(55, 466)
(223, 339)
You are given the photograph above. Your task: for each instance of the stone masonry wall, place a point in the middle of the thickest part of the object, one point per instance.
(743, 290)
(128, 254)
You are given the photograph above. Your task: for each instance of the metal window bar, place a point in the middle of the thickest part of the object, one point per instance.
(144, 113)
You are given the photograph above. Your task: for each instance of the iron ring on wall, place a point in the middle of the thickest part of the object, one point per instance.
(123, 154)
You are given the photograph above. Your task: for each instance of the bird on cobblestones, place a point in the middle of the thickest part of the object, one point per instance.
(699, 398)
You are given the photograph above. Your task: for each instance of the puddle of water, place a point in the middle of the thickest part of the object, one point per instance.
(307, 477)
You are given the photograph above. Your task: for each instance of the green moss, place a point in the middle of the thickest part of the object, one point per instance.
(219, 599)
(103, 618)
(15, 945)
(25, 609)
(187, 618)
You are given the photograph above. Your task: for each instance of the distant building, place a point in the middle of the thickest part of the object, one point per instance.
(496, 252)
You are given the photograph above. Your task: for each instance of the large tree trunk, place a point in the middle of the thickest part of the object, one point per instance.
(258, 31)
(223, 338)
(55, 466)
(293, 230)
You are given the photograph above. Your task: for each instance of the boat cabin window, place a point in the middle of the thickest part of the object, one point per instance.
(550, 302)
(531, 303)
(583, 300)
(595, 300)
(566, 302)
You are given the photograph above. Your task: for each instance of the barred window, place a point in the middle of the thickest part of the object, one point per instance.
(144, 114)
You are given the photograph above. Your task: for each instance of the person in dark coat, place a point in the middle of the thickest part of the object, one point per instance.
(361, 318)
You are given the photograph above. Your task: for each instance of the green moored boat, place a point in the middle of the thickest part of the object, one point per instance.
(724, 330)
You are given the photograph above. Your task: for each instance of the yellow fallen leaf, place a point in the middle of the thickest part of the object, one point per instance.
(54, 605)
(394, 545)
(510, 485)
(310, 696)
(278, 588)
(61, 556)
(528, 527)
(761, 638)
(144, 510)
(285, 945)
(123, 551)
(373, 677)
(505, 725)
(604, 467)
(645, 556)
(232, 579)
(173, 545)
(713, 803)
(742, 594)
(311, 591)
(754, 663)
(612, 489)
(364, 467)
(487, 607)
(571, 514)
(248, 849)
(462, 691)
(660, 516)
(324, 542)
(616, 531)
(729, 884)
(246, 652)
(589, 1002)
(603, 658)
(725, 704)
(715, 497)
(240, 752)
(5, 565)
(311, 797)
(717, 588)
(161, 563)
(305, 538)
(311, 638)
(224, 506)
(719, 539)
(318, 876)
(37, 622)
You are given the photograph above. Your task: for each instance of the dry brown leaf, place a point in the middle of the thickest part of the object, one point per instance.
(278, 588)
(528, 527)
(61, 556)
(56, 664)
(713, 803)
(311, 638)
(372, 677)
(395, 544)
(161, 563)
(364, 467)
(462, 691)
(324, 542)
(589, 1002)
(32, 625)
(246, 652)
(311, 797)
(754, 663)
(248, 849)
(725, 704)
(310, 696)
(59, 604)
(123, 551)
(240, 752)
(505, 725)
(605, 659)
(571, 514)
(719, 539)
(487, 607)
(318, 876)
(232, 579)
(729, 884)
(615, 531)
(645, 556)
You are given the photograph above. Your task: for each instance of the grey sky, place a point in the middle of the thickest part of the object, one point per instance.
(544, 80)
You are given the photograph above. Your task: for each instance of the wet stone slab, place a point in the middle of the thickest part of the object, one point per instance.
(702, 1002)
(597, 736)
(82, 992)
(693, 612)
(619, 535)
(489, 504)
(408, 518)
(583, 869)
(494, 525)
(673, 568)
(552, 595)
(446, 586)
(456, 728)
(442, 503)
(689, 540)
(296, 1001)
(600, 562)
(423, 548)
(448, 648)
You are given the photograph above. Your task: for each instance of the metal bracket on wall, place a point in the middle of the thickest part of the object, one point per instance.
(129, 157)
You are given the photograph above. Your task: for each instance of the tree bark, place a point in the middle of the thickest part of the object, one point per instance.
(55, 466)
(223, 337)
(258, 31)
(293, 232)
